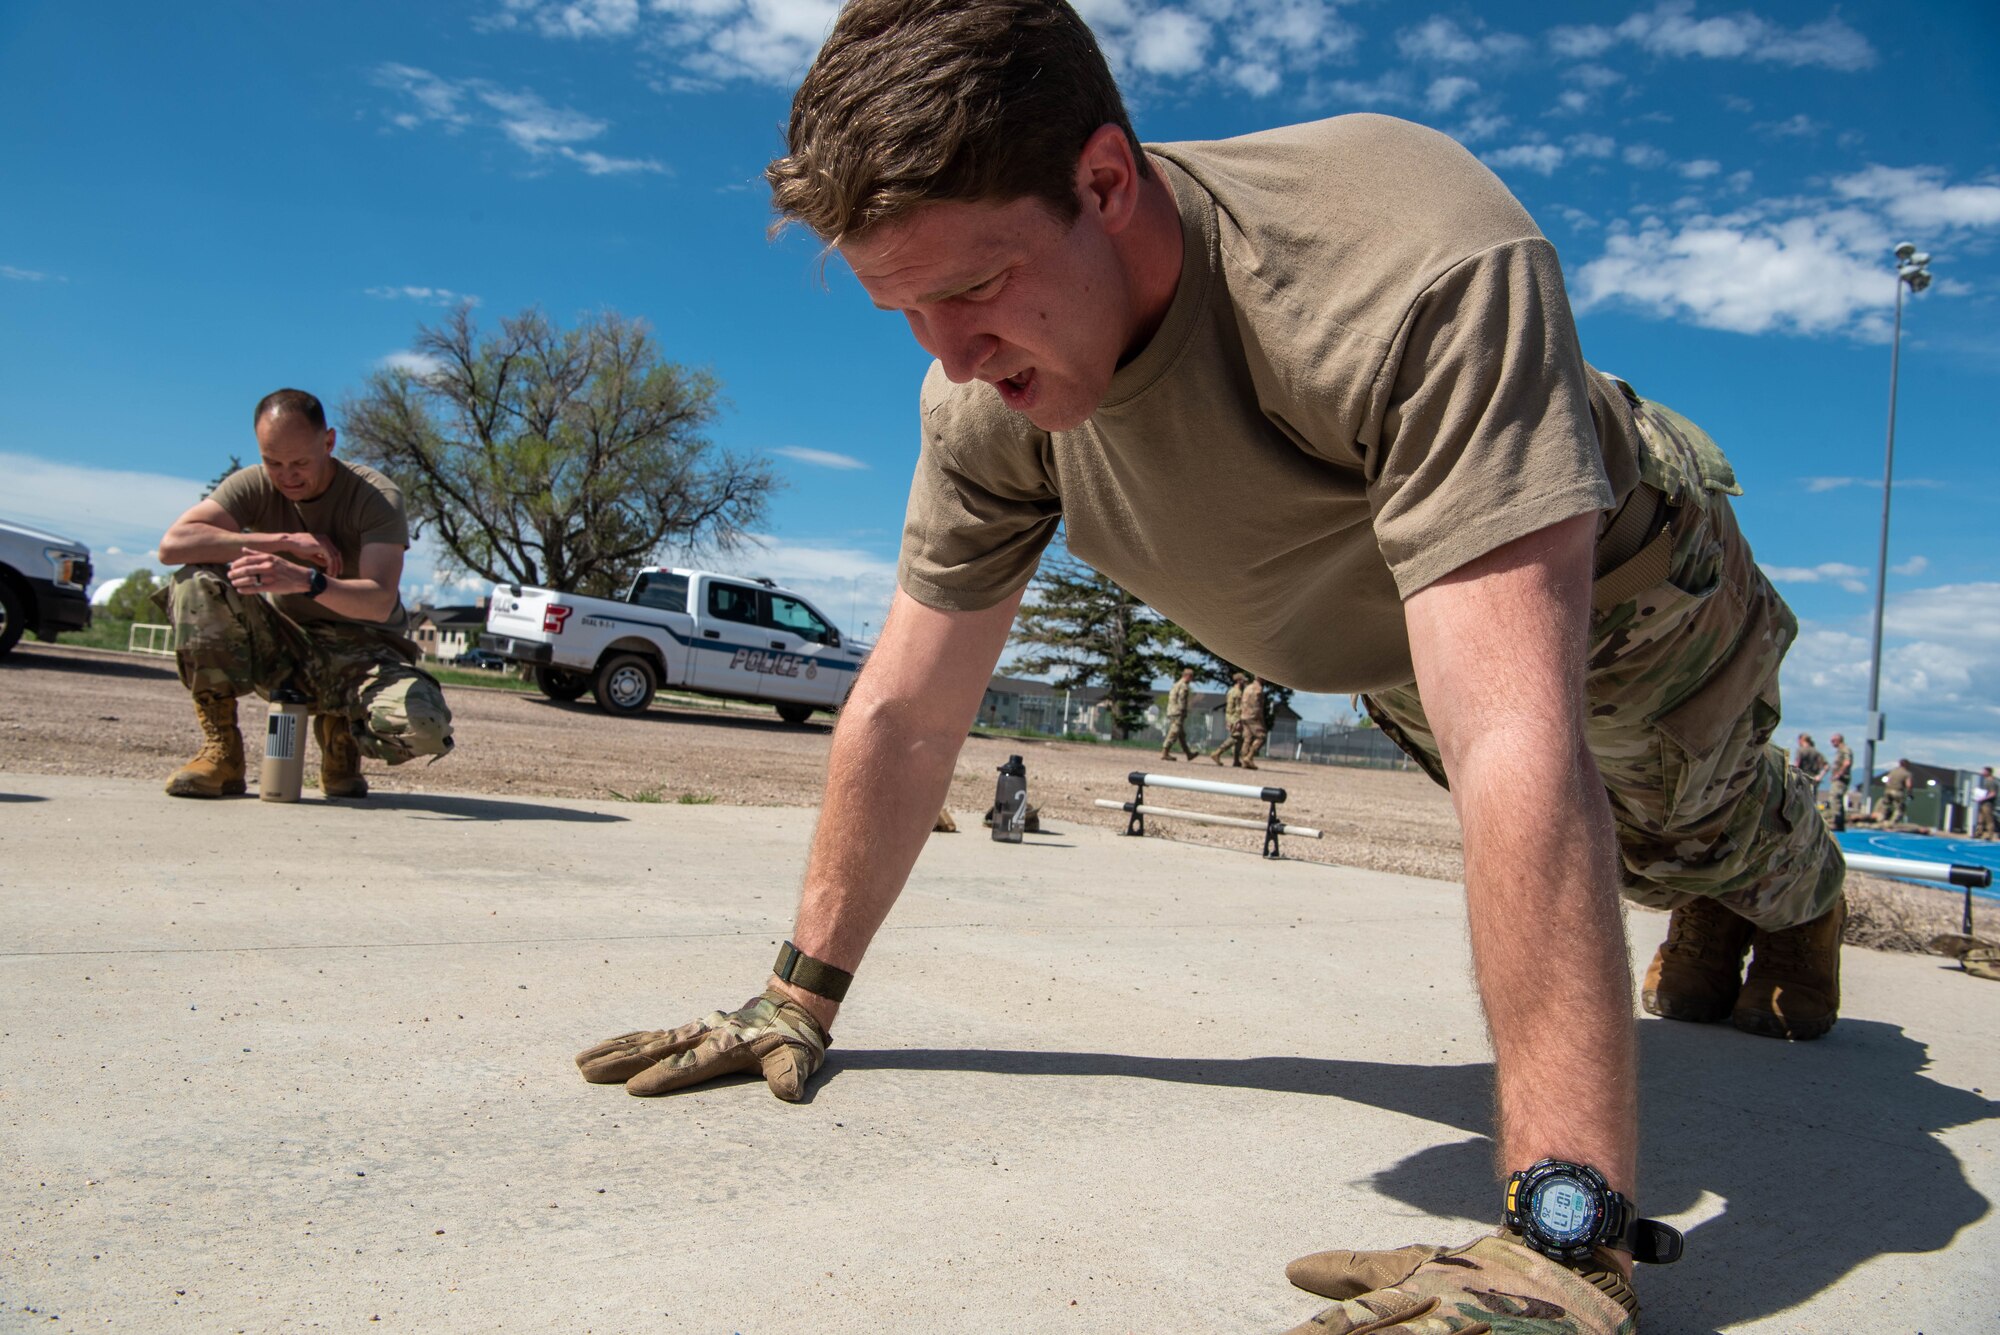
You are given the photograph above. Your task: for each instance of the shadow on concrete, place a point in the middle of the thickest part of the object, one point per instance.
(22, 797)
(1823, 1155)
(448, 807)
(95, 665)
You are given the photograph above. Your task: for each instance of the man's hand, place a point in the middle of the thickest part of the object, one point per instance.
(1495, 1285)
(311, 548)
(261, 572)
(771, 1031)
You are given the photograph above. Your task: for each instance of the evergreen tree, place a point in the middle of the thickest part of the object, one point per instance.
(208, 490)
(1085, 629)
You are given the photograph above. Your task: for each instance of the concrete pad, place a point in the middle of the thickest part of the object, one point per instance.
(270, 1068)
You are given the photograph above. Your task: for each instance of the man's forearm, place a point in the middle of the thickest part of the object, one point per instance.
(1548, 944)
(188, 544)
(361, 599)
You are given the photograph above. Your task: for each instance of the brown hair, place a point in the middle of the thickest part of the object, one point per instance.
(283, 402)
(915, 102)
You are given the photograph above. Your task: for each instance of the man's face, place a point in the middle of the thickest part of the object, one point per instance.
(1838, 739)
(1010, 295)
(298, 457)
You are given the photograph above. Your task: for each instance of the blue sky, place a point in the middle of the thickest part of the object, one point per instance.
(203, 203)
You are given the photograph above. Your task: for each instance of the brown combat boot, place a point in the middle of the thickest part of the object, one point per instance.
(1698, 970)
(217, 769)
(339, 758)
(1793, 989)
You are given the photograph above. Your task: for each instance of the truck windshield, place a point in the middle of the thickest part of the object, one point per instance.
(658, 589)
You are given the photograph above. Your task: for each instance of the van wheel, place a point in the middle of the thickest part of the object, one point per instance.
(795, 714)
(561, 683)
(624, 684)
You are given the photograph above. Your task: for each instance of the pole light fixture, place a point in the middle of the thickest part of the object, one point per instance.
(1912, 271)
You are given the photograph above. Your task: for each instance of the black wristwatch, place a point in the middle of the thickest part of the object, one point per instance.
(1563, 1210)
(315, 583)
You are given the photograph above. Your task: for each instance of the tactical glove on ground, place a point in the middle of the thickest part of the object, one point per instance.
(1493, 1287)
(771, 1032)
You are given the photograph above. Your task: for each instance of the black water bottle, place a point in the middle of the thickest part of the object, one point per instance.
(1010, 801)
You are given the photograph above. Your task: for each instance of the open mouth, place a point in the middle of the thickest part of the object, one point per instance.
(1017, 391)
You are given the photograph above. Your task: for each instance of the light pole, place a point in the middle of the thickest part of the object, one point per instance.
(1910, 273)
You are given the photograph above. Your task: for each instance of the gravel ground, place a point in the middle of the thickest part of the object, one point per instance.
(82, 711)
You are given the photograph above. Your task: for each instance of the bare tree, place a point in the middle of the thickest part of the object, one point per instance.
(559, 457)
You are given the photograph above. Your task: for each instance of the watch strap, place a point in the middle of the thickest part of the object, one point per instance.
(316, 583)
(818, 977)
(1652, 1242)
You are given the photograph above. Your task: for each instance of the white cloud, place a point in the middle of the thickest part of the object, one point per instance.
(1672, 29)
(1800, 126)
(1816, 485)
(570, 18)
(524, 117)
(119, 513)
(597, 164)
(1919, 197)
(1443, 41)
(1391, 88)
(1827, 572)
(819, 458)
(29, 275)
(1644, 156)
(1700, 169)
(1594, 77)
(1592, 145)
(1916, 565)
(428, 296)
(1448, 92)
(1169, 43)
(1573, 100)
(416, 363)
(1540, 158)
(1940, 675)
(1250, 45)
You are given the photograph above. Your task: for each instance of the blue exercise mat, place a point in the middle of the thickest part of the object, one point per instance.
(1928, 848)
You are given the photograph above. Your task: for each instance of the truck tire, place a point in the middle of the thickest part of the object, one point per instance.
(13, 614)
(624, 684)
(561, 683)
(795, 714)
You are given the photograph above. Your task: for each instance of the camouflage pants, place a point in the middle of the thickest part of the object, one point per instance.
(233, 644)
(1892, 807)
(1232, 744)
(1683, 701)
(1177, 732)
(1254, 737)
(1982, 823)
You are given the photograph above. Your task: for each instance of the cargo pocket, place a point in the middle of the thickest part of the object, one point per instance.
(1713, 738)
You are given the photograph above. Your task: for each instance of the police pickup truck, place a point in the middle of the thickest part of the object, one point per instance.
(44, 584)
(691, 630)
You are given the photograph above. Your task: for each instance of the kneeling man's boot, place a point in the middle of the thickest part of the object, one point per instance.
(339, 758)
(217, 769)
(1698, 971)
(1793, 990)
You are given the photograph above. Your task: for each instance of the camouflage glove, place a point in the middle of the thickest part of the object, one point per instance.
(1494, 1287)
(771, 1031)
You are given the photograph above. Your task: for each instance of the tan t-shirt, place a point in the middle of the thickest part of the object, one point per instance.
(358, 507)
(1368, 377)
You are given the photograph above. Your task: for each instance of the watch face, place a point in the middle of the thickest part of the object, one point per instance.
(1565, 1211)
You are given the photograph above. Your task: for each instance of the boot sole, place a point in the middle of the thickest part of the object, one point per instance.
(1766, 1025)
(235, 788)
(1669, 1007)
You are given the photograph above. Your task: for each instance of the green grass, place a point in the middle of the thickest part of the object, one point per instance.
(452, 676)
(104, 633)
(695, 799)
(656, 793)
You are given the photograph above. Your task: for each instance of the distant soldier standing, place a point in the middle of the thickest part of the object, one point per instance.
(1810, 761)
(290, 576)
(1177, 712)
(1254, 730)
(1838, 778)
(1983, 794)
(1232, 715)
(1896, 786)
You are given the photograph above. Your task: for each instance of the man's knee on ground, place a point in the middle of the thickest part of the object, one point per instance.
(407, 720)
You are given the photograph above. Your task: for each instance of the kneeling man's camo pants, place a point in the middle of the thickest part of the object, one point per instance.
(233, 644)
(1683, 702)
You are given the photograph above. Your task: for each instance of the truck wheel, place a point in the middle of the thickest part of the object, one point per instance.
(795, 714)
(13, 614)
(561, 683)
(625, 684)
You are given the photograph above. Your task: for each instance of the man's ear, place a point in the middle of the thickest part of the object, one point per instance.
(329, 440)
(1107, 178)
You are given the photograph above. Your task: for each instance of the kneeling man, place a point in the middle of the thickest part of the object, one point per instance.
(289, 577)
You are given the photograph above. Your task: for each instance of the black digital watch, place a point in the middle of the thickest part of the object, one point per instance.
(1564, 1209)
(315, 583)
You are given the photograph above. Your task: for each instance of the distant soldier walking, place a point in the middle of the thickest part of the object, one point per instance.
(1232, 715)
(1839, 777)
(1983, 794)
(1177, 712)
(1254, 729)
(1810, 762)
(1896, 786)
